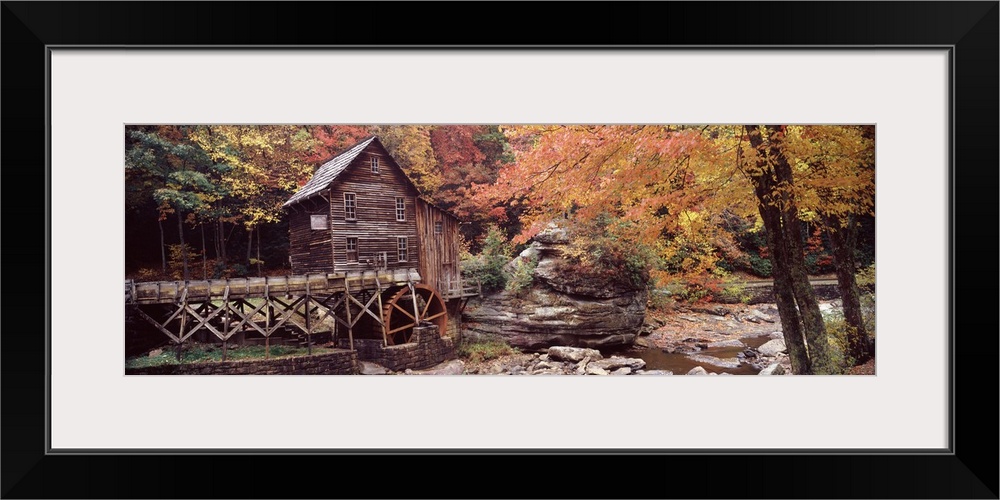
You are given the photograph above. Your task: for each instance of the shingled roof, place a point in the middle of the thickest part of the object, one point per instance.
(328, 172)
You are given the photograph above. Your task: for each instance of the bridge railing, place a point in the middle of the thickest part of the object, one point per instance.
(461, 287)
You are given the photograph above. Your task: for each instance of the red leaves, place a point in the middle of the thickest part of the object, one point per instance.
(498, 214)
(455, 147)
(333, 139)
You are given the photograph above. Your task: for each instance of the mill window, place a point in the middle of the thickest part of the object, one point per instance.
(400, 209)
(350, 206)
(352, 249)
(374, 164)
(401, 246)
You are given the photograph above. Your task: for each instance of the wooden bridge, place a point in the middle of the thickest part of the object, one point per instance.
(391, 302)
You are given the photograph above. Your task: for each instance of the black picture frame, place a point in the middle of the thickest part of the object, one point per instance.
(969, 28)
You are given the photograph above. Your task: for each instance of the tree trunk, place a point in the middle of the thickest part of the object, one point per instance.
(222, 243)
(844, 239)
(204, 254)
(791, 323)
(184, 254)
(249, 247)
(215, 242)
(163, 246)
(773, 182)
(812, 319)
(259, 273)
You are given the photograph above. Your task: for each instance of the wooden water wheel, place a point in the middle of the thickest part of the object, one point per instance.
(402, 310)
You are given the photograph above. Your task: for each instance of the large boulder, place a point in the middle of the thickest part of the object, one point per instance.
(574, 354)
(563, 306)
(453, 367)
(772, 347)
(616, 363)
(774, 369)
(714, 361)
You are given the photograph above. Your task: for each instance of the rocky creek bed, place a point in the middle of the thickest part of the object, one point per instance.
(720, 338)
(714, 339)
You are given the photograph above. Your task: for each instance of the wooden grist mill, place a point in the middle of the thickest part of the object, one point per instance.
(371, 261)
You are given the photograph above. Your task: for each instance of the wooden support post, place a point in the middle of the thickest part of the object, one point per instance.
(225, 321)
(268, 316)
(179, 341)
(267, 328)
(350, 323)
(458, 316)
(237, 311)
(308, 325)
(309, 349)
(385, 327)
(180, 334)
(416, 311)
(334, 332)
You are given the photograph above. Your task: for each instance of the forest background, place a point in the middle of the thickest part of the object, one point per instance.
(689, 209)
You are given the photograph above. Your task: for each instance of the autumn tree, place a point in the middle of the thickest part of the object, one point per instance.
(768, 168)
(639, 181)
(178, 173)
(144, 173)
(468, 155)
(457, 156)
(410, 146)
(264, 165)
(838, 186)
(331, 140)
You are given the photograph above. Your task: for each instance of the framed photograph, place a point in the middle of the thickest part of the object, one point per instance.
(923, 74)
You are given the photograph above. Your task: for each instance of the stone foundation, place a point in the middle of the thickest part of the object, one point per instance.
(425, 349)
(343, 362)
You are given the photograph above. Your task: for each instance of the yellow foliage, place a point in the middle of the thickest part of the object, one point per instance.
(410, 146)
(265, 165)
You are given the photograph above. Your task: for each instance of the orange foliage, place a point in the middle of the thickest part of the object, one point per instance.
(632, 171)
(331, 140)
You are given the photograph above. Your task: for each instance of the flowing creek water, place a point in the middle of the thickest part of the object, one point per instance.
(680, 363)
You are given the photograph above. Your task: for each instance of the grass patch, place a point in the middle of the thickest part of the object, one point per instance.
(208, 353)
(484, 350)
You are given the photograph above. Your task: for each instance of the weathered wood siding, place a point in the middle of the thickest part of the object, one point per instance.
(376, 226)
(434, 254)
(439, 257)
(309, 249)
